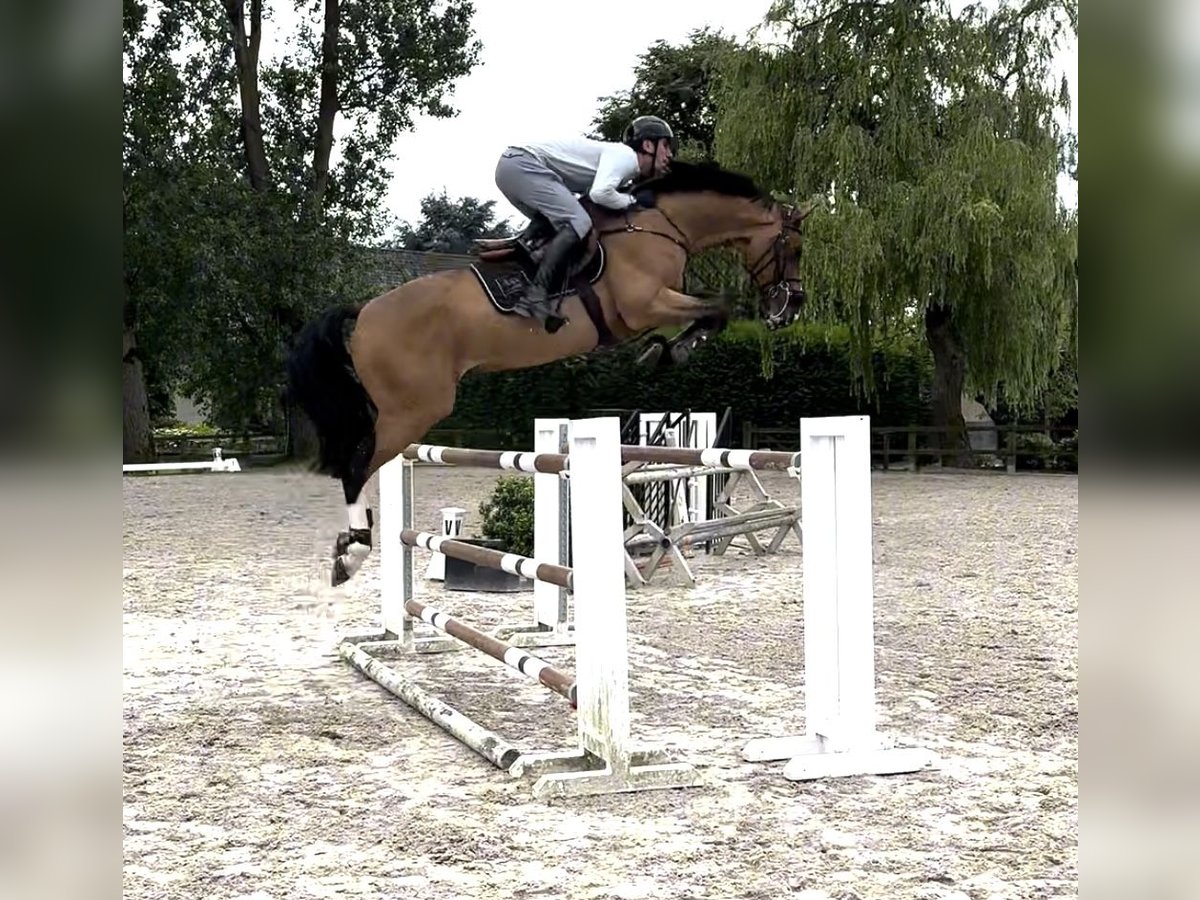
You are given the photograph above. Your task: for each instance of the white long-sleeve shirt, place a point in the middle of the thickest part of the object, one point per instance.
(585, 165)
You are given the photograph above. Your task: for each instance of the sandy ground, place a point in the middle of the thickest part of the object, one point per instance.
(258, 765)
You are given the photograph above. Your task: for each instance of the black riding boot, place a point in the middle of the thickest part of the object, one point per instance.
(556, 254)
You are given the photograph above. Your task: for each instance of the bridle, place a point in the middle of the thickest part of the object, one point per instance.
(793, 291)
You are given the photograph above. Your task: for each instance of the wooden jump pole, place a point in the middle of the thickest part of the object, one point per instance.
(525, 663)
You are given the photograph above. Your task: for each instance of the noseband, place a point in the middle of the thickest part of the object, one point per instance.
(793, 291)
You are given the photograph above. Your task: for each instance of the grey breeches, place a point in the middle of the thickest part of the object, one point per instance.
(532, 188)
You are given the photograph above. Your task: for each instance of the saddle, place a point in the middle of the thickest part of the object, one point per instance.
(505, 268)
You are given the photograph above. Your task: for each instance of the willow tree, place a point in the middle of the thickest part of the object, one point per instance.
(931, 143)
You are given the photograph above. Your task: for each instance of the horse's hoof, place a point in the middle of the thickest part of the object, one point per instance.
(652, 357)
(340, 575)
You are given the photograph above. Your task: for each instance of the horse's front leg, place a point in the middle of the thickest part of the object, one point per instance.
(684, 344)
(669, 307)
(703, 317)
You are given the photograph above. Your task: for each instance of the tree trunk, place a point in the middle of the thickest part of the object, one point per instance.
(949, 375)
(328, 108)
(245, 54)
(137, 436)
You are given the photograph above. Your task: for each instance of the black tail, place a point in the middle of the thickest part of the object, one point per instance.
(321, 380)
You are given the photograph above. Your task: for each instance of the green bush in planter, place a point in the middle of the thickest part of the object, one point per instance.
(508, 514)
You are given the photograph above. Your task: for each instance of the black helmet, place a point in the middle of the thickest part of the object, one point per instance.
(647, 128)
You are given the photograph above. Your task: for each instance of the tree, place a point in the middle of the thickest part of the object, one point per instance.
(931, 143)
(241, 221)
(676, 84)
(451, 226)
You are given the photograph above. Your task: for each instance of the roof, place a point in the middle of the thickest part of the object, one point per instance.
(390, 267)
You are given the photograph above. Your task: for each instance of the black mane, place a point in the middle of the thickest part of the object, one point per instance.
(690, 177)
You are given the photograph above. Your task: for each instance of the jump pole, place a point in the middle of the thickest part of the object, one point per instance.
(841, 738)
(605, 760)
(217, 464)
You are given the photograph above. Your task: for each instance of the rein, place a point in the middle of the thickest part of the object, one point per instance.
(630, 228)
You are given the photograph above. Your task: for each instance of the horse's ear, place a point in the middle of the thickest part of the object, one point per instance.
(804, 210)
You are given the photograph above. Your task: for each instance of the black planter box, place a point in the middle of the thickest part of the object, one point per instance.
(466, 576)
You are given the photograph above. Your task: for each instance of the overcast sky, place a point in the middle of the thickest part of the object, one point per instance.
(543, 67)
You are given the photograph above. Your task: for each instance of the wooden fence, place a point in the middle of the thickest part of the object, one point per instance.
(914, 447)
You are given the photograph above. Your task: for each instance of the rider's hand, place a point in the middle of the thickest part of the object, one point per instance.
(644, 198)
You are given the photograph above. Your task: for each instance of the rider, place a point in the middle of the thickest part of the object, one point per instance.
(544, 176)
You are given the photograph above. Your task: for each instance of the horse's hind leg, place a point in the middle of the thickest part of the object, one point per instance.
(353, 546)
(393, 433)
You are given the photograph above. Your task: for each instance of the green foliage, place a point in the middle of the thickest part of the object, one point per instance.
(224, 263)
(932, 144)
(811, 376)
(1040, 451)
(674, 83)
(1058, 403)
(451, 226)
(508, 514)
(179, 429)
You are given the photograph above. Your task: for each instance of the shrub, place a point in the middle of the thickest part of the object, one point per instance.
(508, 514)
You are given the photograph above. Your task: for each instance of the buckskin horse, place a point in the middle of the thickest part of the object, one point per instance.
(374, 378)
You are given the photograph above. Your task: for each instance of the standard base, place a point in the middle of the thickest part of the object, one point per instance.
(810, 758)
(580, 774)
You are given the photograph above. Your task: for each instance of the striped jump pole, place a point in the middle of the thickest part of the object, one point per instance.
(739, 460)
(487, 743)
(525, 663)
(554, 463)
(547, 463)
(495, 559)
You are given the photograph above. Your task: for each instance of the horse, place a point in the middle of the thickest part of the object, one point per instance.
(375, 377)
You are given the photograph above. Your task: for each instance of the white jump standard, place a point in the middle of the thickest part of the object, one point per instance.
(839, 643)
(605, 760)
(839, 683)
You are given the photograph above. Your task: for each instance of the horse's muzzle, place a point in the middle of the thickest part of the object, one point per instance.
(793, 299)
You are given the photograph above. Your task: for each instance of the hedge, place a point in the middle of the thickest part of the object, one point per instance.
(810, 376)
